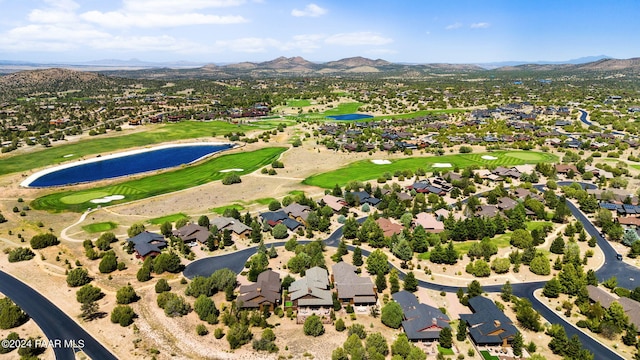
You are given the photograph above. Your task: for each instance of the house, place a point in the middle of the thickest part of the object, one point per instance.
(351, 288)
(236, 227)
(487, 211)
(421, 322)
(273, 218)
(363, 197)
(297, 212)
(507, 172)
(444, 213)
(311, 295)
(388, 227)
(191, 233)
(565, 168)
(506, 203)
(488, 326)
(605, 298)
(147, 244)
(522, 193)
(334, 202)
(429, 222)
(263, 294)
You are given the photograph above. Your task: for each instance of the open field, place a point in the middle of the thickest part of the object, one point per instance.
(99, 145)
(100, 227)
(365, 170)
(298, 102)
(162, 183)
(220, 210)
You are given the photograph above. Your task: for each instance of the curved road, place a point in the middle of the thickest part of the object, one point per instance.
(612, 267)
(55, 324)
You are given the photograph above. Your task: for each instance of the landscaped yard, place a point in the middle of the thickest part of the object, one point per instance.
(366, 170)
(100, 145)
(445, 351)
(170, 218)
(163, 183)
(485, 355)
(100, 227)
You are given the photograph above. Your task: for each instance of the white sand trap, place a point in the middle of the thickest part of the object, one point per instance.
(68, 155)
(230, 170)
(489, 157)
(441, 165)
(107, 199)
(381, 162)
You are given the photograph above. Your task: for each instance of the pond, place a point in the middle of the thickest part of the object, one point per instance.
(350, 117)
(123, 164)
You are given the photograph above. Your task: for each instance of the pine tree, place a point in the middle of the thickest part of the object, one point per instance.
(357, 257)
(381, 282)
(517, 344)
(462, 330)
(410, 282)
(446, 338)
(507, 291)
(394, 281)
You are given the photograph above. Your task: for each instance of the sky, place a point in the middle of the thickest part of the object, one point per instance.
(223, 31)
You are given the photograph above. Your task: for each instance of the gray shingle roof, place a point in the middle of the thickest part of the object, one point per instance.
(488, 325)
(421, 321)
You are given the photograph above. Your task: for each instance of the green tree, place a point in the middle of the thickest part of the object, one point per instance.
(552, 288)
(557, 246)
(42, 241)
(109, 263)
(238, 335)
(540, 265)
(521, 239)
(161, 286)
(377, 343)
(377, 262)
(357, 256)
(474, 289)
(517, 344)
(357, 329)
(135, 229)
(527, 316)
(394, 281)
(506, 292)
(126, 295)
(166, 229)
(372, 233)
(410, 282)
(313, 326)
(446, 338)
(104, 241)
(340, 252)
(392, 315)
(78, 277)
(350, 228)
(402, 250)
(381, 282)
(123, 315)
(144, 274)
(401, 346)
(340, 327)
(88, 293)
(11, 315)
(168, 261)
(206, 309)
(279, 231)
(462, 330)
(353, 346)
(339, 354)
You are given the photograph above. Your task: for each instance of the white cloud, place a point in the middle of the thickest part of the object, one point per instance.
(480, 25)
(453, 26)
(358, 38)
(311, 10)
(173, 6)
(117, 19)
(47, 37)
(58, 12)
(146, 43)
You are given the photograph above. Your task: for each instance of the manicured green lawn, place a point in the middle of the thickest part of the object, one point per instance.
(366, 170)
(264, 201)
(445, 351)
(100, 227)
(487, 356)
(298, 102)
(416, 114)
(163, 183)
(170, 218)
(342, 109)
(100, 145)
(220, 210)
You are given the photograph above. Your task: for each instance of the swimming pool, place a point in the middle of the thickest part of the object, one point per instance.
(123, 164)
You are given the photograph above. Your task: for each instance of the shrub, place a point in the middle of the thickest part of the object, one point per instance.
(201, 330)
(20, 254)
(11, 315)
(126, 295)
(340, 325)
(218, 333)
(358, 329)
(313, 326)
(392, 315)
(231, 179)
(78, 277)
(161, 286)
(109, 263)
(42, 241)
(123, 315)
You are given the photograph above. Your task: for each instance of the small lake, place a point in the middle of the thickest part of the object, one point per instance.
(127, 163)
(350, 117)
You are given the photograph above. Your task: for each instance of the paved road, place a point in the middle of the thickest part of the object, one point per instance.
(625, 274)
(54, 323)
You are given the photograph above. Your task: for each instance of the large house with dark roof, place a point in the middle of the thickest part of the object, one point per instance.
(488, 325)
(351, 288)
(264, 293)
(237, 228)
(421, 322)
(147, 244)
(191, 233)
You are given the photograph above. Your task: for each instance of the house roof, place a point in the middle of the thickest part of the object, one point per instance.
(265, 289)
(487, 211)
(192, 232)
(429, 222)
(312, 290)
(388, 227)
(273, 216)
(291, 224)
(488, 325)
(506, 203)
(630, 306)
(350, 285)
(147, 243)
(334, 202)
(297, 210)
(228, 223)
(421, 321)
(146, 237)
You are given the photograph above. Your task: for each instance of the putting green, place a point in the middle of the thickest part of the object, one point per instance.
(100, 227)
(83, 197)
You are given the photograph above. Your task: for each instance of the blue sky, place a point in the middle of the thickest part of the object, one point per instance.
(418, 31)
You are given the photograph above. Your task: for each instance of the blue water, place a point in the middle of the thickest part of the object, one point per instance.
(350, 117)
(127, 165)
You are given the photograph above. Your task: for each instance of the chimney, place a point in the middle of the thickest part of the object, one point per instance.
(496, 323)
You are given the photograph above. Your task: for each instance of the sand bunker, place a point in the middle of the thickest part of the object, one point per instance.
(441, 165)
(107, 199)
(230, 170)
(381, 162)
(68, 155)
(489, 157)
